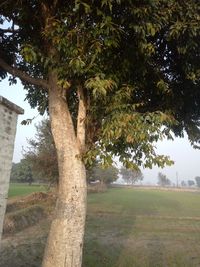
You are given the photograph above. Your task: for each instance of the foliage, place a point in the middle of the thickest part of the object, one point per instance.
(191, 182)
(197, 179)
(138, 62)
(183, 183)
(22, 172)
(42, 153)
(163, 180)
(104, 175)
(131, 176)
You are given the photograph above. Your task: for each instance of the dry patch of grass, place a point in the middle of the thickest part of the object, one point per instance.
(26, 211)
(29, 200)
(23, 218)
(26, 226)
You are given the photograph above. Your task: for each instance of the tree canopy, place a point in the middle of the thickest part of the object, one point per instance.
(131, 176)
(197, 179)
(138, 62)
(22, 172)
(163, 180)
(104, 176)
(191, 183)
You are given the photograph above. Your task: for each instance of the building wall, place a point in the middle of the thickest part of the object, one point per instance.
(8, 121)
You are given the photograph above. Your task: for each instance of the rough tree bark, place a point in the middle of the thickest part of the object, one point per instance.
(65, 241)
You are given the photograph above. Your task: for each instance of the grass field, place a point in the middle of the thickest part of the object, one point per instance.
(18, 189)
(141, 228)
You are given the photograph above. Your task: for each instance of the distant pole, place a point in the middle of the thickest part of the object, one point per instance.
(176, 179)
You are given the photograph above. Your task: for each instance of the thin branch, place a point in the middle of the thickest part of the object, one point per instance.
(81, 119)
(23, 76)
(9, 30)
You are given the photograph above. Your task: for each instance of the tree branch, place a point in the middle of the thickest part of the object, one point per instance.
(23, 76)
(81, 118)
(9, 30)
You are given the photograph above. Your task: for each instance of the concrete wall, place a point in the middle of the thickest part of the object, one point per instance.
(8, 121)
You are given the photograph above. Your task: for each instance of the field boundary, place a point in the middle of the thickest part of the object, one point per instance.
(159, 188)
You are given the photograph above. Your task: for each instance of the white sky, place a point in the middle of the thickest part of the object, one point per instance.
(187, 159)
(16, 94)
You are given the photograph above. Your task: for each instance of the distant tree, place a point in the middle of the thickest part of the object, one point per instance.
(41, 154)
(131, 176)
(91, 173)
(197, 179)
(104, 175)
(163, 180)
(191, 182)
(183, 183)
(22, 172)
(29, 176)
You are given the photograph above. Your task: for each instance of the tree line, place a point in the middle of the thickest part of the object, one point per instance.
(164, 181)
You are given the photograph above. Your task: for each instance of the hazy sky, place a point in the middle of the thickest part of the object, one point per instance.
(187, 159)
(17, 95)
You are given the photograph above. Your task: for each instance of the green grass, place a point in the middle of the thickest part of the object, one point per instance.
(18, 189)
(147, 202)
(142, 228)
(138, 228)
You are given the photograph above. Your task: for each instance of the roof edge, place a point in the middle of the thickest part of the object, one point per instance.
(11, 105)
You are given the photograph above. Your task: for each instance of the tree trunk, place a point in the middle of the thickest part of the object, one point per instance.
(65, 241)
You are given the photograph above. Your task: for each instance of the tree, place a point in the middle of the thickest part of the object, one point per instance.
(131, 176)
(163, 180)
(104, 175)
(22, 172)
(197, 179)
(41, 154)
(183, 184)
(110, 73)
(191, 182)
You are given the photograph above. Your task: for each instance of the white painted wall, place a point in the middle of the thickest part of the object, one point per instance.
(8, 121)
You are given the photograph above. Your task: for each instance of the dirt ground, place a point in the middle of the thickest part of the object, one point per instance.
(26, 226)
